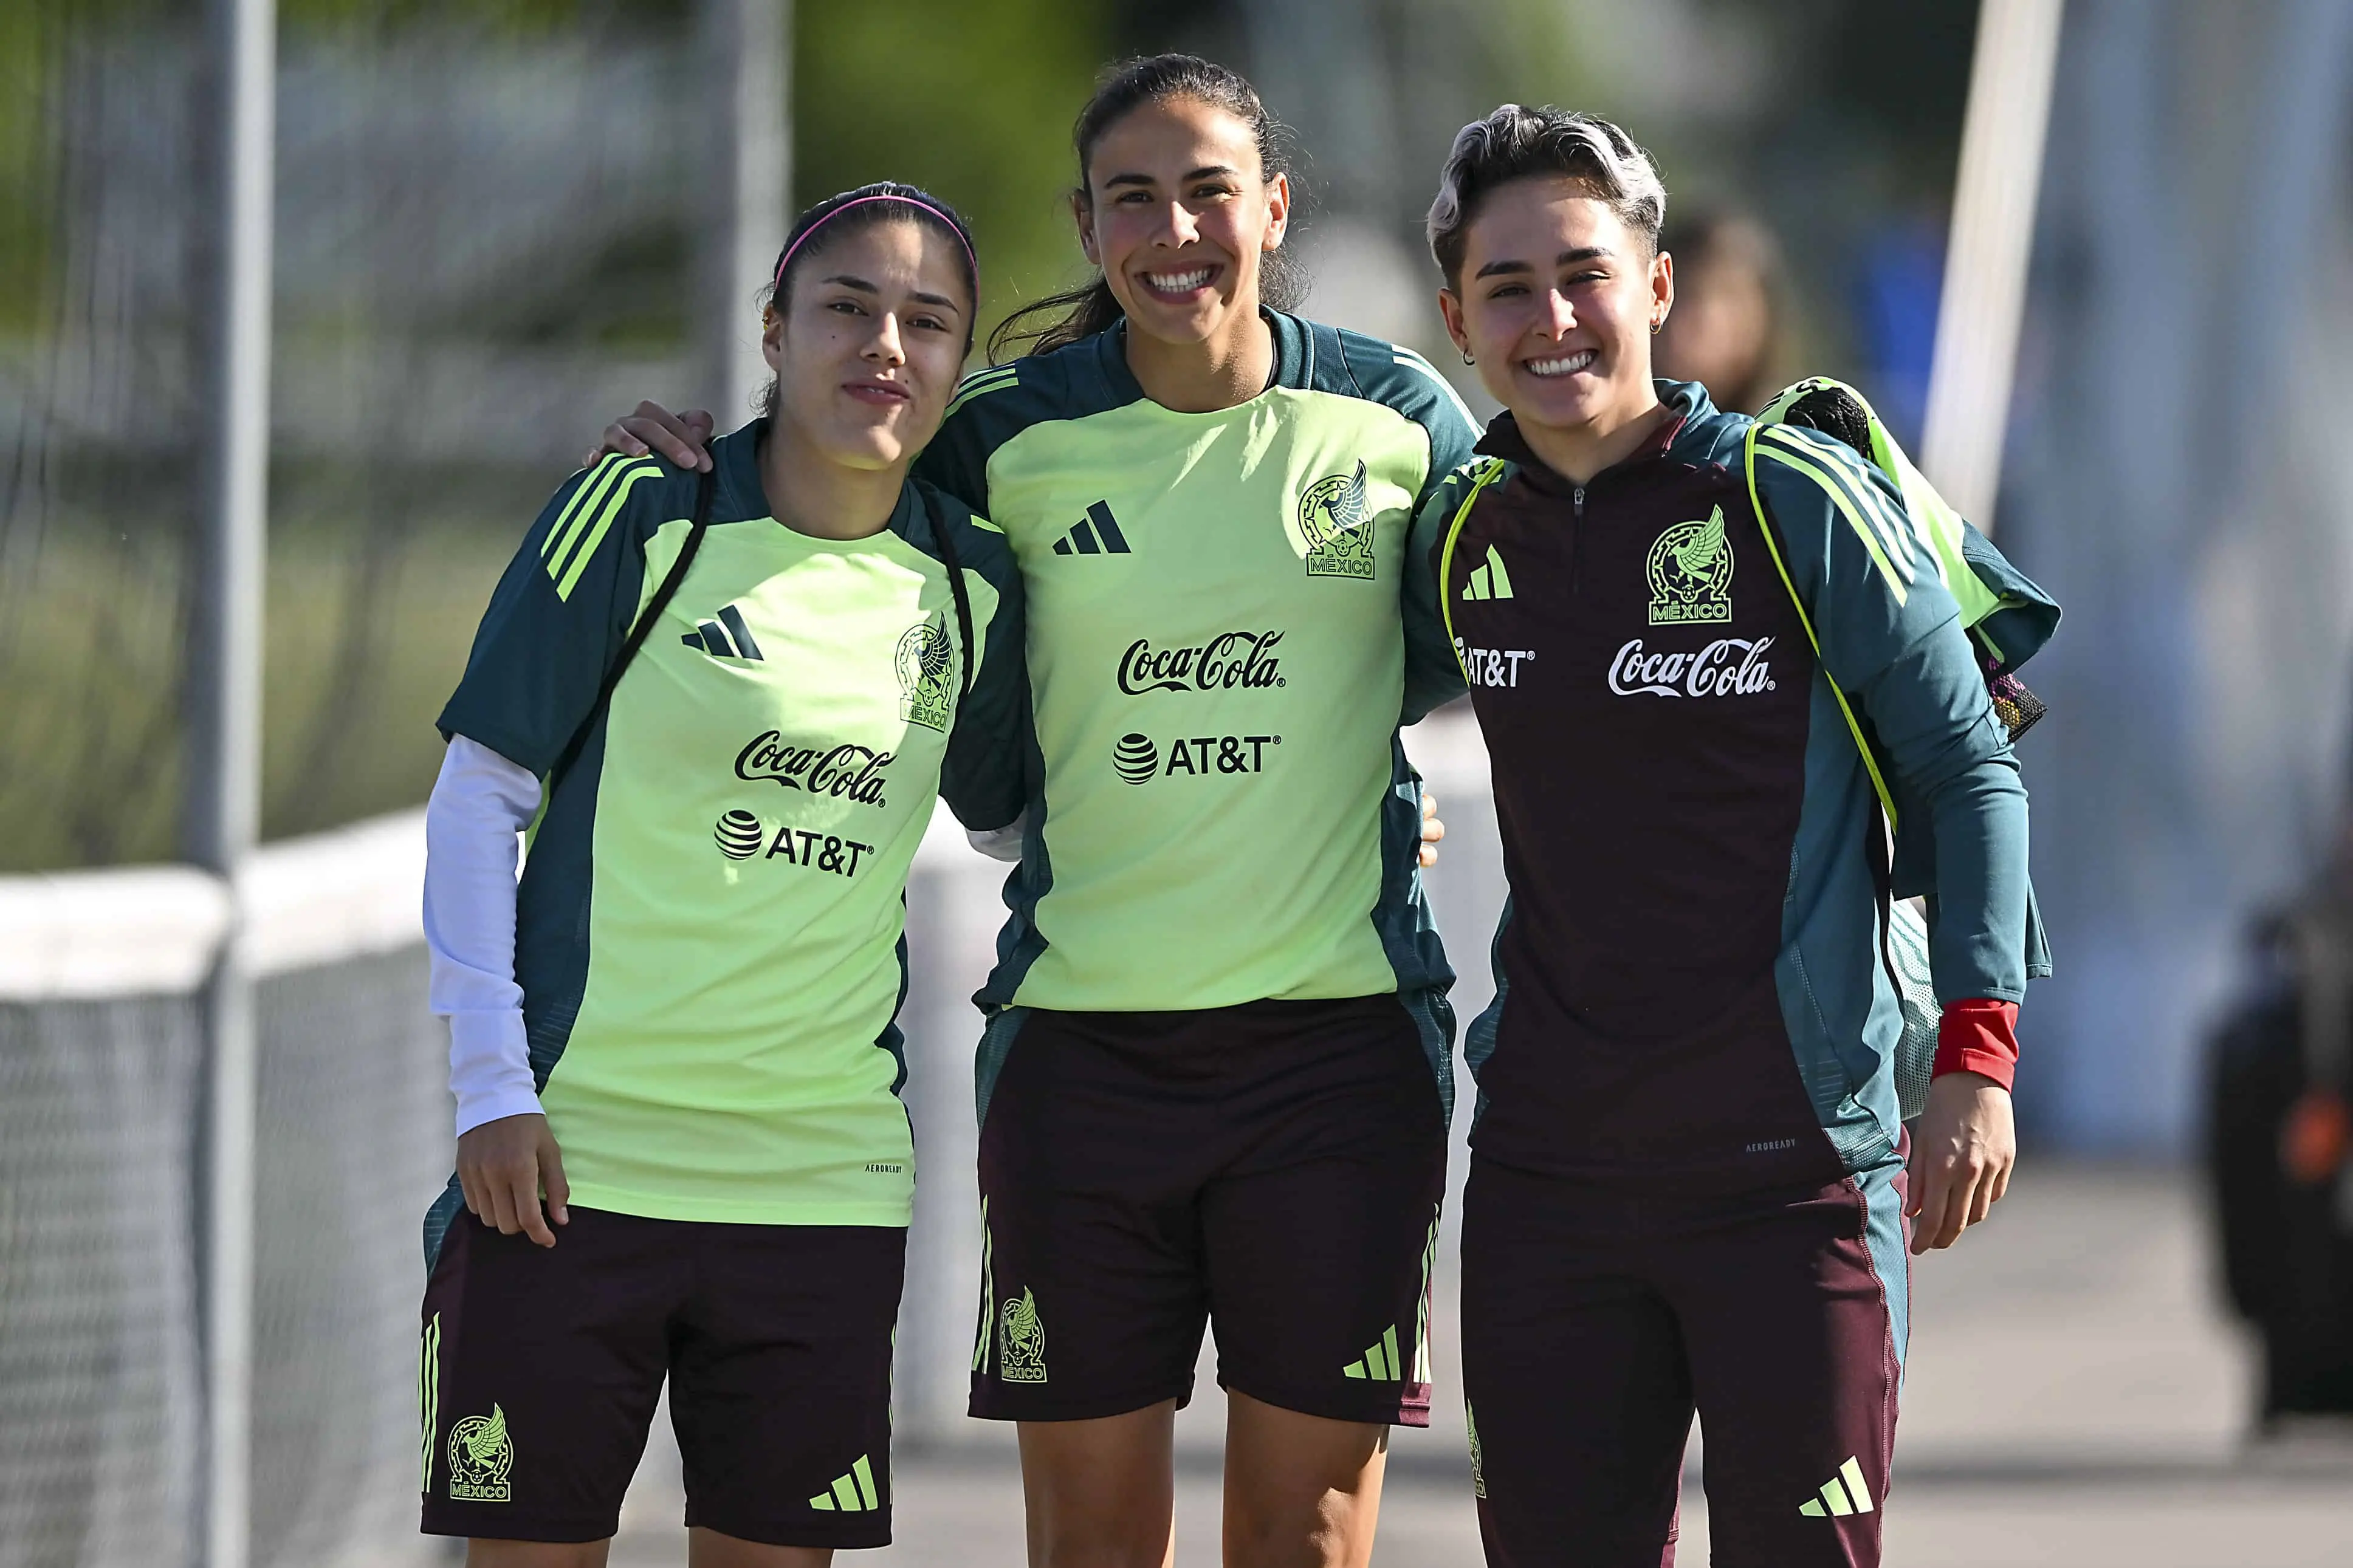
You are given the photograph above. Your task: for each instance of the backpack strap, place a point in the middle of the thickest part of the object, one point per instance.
(1489, 472)
(636, 637)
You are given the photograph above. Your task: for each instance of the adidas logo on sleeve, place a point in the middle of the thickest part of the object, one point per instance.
(726, 638)
(1097, 534)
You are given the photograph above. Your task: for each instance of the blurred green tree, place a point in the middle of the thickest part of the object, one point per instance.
(968, 100)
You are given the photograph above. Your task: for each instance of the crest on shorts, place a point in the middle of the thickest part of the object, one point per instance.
(480, 1454)
(1022, 1342)
(1690, 571)
(1478, 1467)
(1338, 526)
(927, 663)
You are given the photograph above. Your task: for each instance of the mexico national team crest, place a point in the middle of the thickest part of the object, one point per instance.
(1022, 1342)
(1338, 526)
(480, 1454)
(1691, 574)
(926, 661)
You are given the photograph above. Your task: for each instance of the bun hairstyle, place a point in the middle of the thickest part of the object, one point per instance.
(1122, 89)
(849, 212)
(1514, 144)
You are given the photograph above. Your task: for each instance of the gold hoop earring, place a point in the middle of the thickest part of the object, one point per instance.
(1658, 326)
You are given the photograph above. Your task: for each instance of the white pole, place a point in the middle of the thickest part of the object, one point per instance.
(224, 773)
(1986, 258)
(755, 41)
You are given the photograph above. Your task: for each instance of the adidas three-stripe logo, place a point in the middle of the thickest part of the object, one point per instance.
(852, 1494)
(1837, 1501)
(581, 527)
(1488, 579)
(1379, 1362)
(1097, 534)
(727, 637)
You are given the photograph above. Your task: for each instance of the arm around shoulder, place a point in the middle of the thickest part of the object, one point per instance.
(987, 773)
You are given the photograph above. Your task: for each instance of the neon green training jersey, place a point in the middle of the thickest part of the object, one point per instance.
(1216, 657)
(708, 925)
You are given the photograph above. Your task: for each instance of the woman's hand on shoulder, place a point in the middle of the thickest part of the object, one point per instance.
(503, 1166)
(683, 438)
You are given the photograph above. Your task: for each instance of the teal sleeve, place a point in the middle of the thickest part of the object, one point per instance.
(558, 615)
(1433, 673)
(1892, 640)
(1404, 381)
(956, 460)
(984, 776)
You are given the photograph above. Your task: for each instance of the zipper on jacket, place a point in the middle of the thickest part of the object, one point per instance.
(1576, 540)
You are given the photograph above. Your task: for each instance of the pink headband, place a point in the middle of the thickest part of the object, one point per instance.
(787, 259)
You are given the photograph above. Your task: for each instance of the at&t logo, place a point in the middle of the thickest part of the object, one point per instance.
(1137, 758)
(739, 834)
(1493, 666)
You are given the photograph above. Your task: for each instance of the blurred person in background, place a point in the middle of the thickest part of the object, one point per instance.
(1725, 330)
(1688, 1184)
(2280, 1148)
(1214, 1088)
(681, 1153)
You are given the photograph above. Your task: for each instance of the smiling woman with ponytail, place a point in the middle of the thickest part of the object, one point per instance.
(1061, 319)
(1215, 1079)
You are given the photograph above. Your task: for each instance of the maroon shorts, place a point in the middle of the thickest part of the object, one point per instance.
(1594, 1323)
(1273, 1168)
(540, 1367)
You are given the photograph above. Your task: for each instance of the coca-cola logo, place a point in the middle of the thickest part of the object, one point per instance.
(843, 772)
(1728, 666)
(1227, 662)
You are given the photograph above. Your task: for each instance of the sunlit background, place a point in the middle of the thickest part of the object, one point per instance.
(500, 223)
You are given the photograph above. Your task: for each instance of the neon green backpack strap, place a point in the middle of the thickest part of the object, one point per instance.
(1939, 526)
(1773, 548)
(1489, 472)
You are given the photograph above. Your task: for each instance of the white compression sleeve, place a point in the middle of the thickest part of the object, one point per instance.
(1000, 843)
(481, 802)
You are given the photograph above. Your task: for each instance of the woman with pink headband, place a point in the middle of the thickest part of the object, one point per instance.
(680, 1152)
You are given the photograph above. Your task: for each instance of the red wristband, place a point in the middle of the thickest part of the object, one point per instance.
(1979, 1036)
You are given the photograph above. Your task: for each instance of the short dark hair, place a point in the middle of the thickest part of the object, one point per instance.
(1513, 143)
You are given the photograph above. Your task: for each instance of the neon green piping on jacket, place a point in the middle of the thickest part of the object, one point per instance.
(1862, 529)
(1929, 512)
(1897, 537)
(1870, 762)
(1488, 475)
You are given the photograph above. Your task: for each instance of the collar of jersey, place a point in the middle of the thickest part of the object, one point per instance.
(742, 498)
(1680, 439)
(1294, 361)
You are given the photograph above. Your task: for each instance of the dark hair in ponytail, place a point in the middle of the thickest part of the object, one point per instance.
(1080, 312)
(884, 201)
